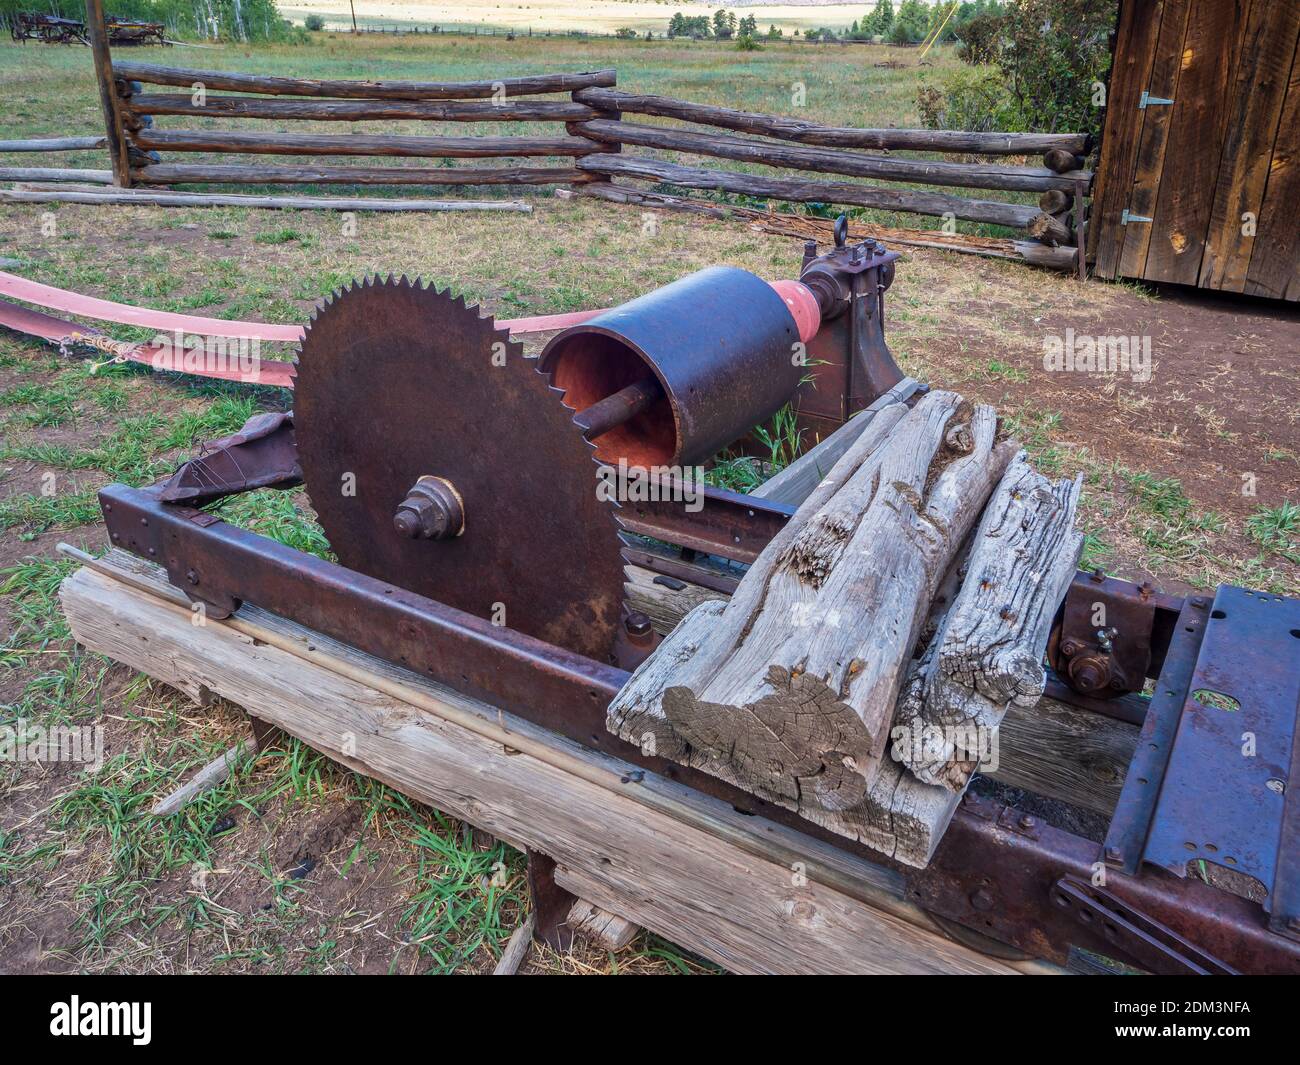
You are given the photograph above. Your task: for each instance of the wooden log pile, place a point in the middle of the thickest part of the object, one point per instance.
(862, 666)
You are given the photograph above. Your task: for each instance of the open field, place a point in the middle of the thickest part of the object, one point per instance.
(298, 865)
(550, 16)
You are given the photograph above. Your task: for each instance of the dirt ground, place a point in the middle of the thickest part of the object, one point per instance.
(297, 865)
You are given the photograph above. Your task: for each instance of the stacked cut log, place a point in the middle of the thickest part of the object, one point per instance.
(885, 604)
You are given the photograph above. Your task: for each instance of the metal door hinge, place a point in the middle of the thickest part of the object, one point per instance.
(1148, 100)
(1125, 217)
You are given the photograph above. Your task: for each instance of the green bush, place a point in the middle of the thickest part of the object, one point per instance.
(1035, 68)
(315, 23)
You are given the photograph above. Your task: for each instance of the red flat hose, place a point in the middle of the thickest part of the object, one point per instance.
(798, 299)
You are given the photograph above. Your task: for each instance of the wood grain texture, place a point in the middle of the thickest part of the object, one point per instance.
(223, 199)
(1275, 259)
(109, 102)
(1197, 129)
(362, 89)
(1152, 135)
(250, 174)
(830, 161)
(988, 652)
(1135, 38)
(356, 144)
(696, 888)
(812, 191)
(789, 689)
(1259, 90)
(1051, 749)
(795, 129)
(607, 931)
(176, 103)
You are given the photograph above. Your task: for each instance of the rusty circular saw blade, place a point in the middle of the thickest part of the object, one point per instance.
(398, 380)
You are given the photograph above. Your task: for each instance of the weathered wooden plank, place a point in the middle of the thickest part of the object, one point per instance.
(1050, 748)
(353, 144)
(671, 873)
(810, 191)
(248, 174)
(108, 99)
(789, 690)
(988, 651)
(55, 173)
(176, 103)
(831, 161)
(154, 198)
(363, 90)
(1258, 94)
(54, 144)
(796, 482)
(1153, 136)
(606, 930)
(1134, 53)
(795, 129)
(1197, 127)
(1275, 261)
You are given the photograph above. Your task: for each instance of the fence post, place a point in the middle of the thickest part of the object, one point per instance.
(117, 149)
(574, 129)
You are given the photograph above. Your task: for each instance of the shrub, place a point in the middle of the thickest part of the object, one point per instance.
(315, 23)
(1035, 65)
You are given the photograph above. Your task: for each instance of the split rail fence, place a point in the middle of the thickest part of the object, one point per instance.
(591, 156)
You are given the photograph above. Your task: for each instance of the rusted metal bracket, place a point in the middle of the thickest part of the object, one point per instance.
(551, 903)
(1153, 946)
(263, 454)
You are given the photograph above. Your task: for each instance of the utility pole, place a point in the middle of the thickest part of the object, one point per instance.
(352, 4)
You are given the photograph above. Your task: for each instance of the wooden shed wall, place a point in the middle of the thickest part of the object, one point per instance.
(1199, 181)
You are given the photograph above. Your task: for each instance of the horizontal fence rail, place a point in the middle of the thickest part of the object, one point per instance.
(324, 144)
(175, 103)
(793, 129)
(377, 90)
(602, 151)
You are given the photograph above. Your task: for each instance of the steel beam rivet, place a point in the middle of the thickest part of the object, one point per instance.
(1026, 821)
(981, 900)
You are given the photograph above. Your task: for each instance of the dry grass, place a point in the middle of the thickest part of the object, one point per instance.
(296, 864)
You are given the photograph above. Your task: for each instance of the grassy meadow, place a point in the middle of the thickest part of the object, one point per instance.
(299, 865)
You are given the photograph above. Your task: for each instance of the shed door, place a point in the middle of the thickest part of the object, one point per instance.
(1199, 179)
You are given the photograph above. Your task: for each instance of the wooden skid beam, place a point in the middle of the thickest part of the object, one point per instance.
(794, 129)
(176, 103)
(938, 204)
(323, 144)
(362, 90)
(678, 863)
(831, 161)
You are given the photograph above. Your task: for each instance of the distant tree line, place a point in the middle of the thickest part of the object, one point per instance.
(911, 23)
(233, 20)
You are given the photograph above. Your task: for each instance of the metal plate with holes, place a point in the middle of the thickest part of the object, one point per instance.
(1223, 793)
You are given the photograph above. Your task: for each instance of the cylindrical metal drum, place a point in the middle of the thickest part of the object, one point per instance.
(722, 345)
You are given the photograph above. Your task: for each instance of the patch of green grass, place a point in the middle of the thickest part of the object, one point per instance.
(278, 236)
(36, 621)
(36, 513)
(278, 515)
(1276, 528)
